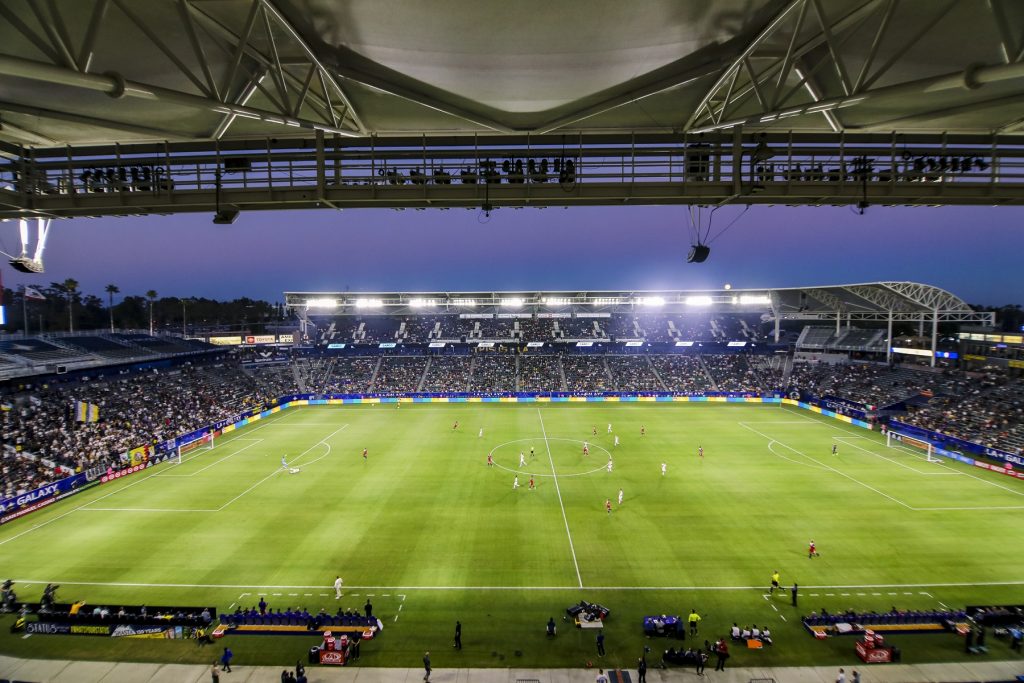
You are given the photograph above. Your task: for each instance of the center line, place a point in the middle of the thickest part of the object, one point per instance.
(554, 476)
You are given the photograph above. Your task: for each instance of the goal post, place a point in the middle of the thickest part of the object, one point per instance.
(200, 443)
(894, 439)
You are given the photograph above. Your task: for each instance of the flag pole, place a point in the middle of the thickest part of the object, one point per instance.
(24, 309)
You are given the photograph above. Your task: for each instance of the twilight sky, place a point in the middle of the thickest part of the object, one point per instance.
(974, 252)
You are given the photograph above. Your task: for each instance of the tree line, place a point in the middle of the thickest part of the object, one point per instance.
(66, 308)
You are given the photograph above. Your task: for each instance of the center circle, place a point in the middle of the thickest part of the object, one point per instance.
(549, 439)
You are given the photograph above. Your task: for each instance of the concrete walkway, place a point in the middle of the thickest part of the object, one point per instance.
(64, 671)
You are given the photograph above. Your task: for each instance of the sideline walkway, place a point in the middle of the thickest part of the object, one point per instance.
(64, 671)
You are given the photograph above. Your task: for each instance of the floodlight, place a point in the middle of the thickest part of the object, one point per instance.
(698, 301)
(556, 301)
(747, 299)
(514, 302)
(423, 303)
(651, 301)
(369, 303)
(321, 303)
(464, 302)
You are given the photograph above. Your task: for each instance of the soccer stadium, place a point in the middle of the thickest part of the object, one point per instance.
(801, 480)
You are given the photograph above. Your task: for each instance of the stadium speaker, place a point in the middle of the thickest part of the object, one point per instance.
(698, 253)
(226, 216)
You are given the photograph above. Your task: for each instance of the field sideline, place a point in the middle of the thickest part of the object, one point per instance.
(431, 533)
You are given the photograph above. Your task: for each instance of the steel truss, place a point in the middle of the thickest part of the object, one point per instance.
(321, 171)
(299, 91)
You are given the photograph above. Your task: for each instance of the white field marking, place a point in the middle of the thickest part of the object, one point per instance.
(401, 595)
(795, 462)
(775, 608)
(243, 595)
(829, 595)
(813, 595)
(861, 593)
(906, 593)
(354, 595)
(845, 440)
(265, 589)
(554, 475)
(293, 595)
(386, 595)
(127, 486)
(307, 595)
(775, 422)
(845, 595)
(276, 595)
(876, 593)
(554, 438)
(783, 618)
(926, 593)
(842, 474)
(944, 604)
(765, 596)
(231, 605)
(80, 507)
(144, 510)
(980, 507)
(279, 470)
(216, 462)
(823, 423)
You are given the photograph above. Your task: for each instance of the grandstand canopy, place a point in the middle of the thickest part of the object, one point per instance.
(100, 71)
(877, 301)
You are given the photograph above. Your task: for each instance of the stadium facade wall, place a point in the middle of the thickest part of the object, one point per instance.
(948, 443)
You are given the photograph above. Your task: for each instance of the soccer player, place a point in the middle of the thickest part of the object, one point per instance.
(609, 465)
(608, 505)
(337, 588)
(480, 435)
(620, 496)
(700, 451)
(522, 459)
(609, 427)
(664, 467)
(364, 454)
(775, 582)
(284, 462)
(490, 460)
(616, 439)
(515, 483)
(594, 430)
(811, 550)
(455, 426)
(532, 485)
(586, 448)
(643, 430)
(531, 452)
(835, 449)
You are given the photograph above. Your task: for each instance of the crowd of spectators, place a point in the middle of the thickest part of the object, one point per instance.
(587, 373)
(540, 373)
(682, 373)
(633, 373)
(398, 374)
(447, 373)
(742, 372)
(992, 414)
(494, 372)
(42, 440)
(876, 384)
(346, 376)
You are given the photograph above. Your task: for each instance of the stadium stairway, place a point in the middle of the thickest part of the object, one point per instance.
(46, 670)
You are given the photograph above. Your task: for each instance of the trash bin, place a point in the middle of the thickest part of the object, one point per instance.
(314, 655)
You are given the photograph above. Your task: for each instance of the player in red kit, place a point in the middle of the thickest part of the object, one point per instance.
(490, 460)
(608, 505)
(364, 454)
(455, 426)
(700, 451)
(811, 550)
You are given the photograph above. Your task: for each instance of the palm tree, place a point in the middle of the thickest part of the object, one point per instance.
(71, 287)
(151, 295)
(111, 291)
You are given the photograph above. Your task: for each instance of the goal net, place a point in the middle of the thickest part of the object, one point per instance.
(202, 443)
(894, 439)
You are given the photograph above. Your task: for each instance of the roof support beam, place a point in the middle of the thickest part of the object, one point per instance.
(1006, 39)
(117, 87)
(154, 133)
(99, 11)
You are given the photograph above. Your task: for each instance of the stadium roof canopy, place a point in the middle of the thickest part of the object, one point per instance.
(874, 301)
(100, 71)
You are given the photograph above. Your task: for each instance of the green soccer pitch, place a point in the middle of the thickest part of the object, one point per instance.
(433, 534)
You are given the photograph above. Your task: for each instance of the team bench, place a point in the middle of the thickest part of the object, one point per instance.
(852, 623)
(364, 632)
